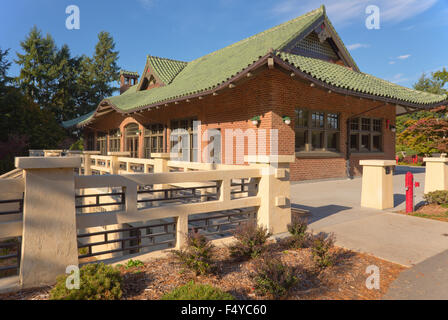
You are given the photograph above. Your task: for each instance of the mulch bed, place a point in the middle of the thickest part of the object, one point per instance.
(344, 280)
(430, 211)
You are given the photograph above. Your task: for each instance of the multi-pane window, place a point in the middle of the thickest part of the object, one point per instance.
(91, 141)
(317, 130)
(114, 140)
(189, 131)
(154, 139)
(366, 135)
(101, 142)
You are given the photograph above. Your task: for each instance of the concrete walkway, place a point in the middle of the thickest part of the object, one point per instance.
(419, 243)
(335, 207)
(428, 280)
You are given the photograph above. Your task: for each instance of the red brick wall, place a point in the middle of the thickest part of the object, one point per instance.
(290, 93)
(270, 94)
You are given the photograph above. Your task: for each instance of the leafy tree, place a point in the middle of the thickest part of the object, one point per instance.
(434, 84)
(442, 77)
(425, 136)
(23, 124)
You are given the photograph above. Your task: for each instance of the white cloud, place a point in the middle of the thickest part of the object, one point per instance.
(399, 77)
(357, 46)
(403, 57)
(345, 11)
(391, 62)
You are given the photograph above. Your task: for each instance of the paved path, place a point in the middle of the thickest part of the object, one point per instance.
(427, 280)
(419, 243)
(335, 207)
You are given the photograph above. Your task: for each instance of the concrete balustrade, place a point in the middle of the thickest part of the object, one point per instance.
(49, 223)
(377, 184)
(436, 177)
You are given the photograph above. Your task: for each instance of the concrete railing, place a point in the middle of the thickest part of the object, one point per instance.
(50, 222)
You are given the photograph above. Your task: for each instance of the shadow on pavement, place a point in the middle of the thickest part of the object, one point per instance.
(399, 199)
(317, 213)
(404, 169)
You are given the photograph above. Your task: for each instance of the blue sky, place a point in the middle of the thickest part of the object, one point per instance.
(412, 39)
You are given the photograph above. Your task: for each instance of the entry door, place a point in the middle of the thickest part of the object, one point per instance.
(132, 146)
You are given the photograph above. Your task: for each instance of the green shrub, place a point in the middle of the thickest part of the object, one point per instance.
(250, 240)
(197, 254)
(438, 197)
(194, 291)
(320, 249)
(78, 145)
(97, 282)
(134, 264)
(274, 278)
(297, 228)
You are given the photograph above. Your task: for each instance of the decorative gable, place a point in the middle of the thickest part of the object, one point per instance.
(321, 41)
(316, 46)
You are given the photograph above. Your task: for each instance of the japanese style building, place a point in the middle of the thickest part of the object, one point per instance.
(297, 77)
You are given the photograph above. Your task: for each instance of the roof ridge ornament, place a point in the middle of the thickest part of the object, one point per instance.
(323, 33)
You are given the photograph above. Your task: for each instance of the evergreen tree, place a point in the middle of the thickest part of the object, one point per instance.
(23, 124)
(38, 73)
(430, 84)
(105, 66)
(4, 66)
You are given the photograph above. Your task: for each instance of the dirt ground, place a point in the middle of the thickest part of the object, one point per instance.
(430, 211)
(346, 279)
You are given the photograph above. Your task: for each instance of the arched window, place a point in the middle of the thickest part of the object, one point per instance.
(131, 132)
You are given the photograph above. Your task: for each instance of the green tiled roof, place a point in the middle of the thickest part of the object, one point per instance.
(345, 78)
(215, 68)
(210, 71)
(78, 121)
(132, 89)
(166, 69)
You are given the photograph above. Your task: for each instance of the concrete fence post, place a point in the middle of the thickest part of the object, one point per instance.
(436, 175)
(49, 239)
(274, 190)
(87, 161)
(377, 184)
(114, 163)
(160, 162)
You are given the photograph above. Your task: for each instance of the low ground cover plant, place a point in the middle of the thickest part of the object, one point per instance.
(321, 250)
(250, 240)
(195, 291)
(299, 237)
(274, 278)
(97, 282)
(134, 264)
(197, 254)
(437, 197)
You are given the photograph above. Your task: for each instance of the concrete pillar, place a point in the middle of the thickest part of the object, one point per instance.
(436, 176)
(181, 231)
(160, 162)
(274, 190)
(49, 240)
(115, 164)
(87, 161)
(377, 184)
